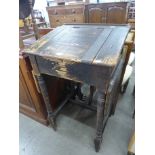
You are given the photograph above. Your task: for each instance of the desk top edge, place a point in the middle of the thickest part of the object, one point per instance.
(58, 29)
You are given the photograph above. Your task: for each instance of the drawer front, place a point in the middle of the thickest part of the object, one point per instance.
(56, 11)
(68, 70)
(75, 11)
(57, 20)
(66, 11)
(74, 19)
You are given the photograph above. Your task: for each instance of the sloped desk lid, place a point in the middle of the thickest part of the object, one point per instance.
(88, 43)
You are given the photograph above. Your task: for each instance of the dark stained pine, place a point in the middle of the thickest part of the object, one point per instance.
(84, 53)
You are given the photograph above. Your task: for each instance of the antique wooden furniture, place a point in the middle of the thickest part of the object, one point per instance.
(129, 59)
(129, 42)
(58, 15)
(115, 12)
(82, 53)
(31, 101)
(131, 14)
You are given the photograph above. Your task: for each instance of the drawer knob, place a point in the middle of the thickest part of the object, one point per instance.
(57, 20)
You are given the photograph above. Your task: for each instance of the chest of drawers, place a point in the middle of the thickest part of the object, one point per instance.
(58, 15)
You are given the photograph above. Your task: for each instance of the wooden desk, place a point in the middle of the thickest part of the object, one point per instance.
(85, 53)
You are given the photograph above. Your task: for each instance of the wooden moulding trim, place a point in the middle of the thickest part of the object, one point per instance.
(32, 87)
(34, 116)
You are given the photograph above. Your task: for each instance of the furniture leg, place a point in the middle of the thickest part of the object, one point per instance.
(35, 27)
(92, 90)
(78, 91)
(26, 29)
(100, 118)
(115, 95)
(133, 92)
(43, 89)
(124, 87)
(114, 103)
(71, 89)
(133, 115)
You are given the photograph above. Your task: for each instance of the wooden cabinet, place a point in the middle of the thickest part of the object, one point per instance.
(30, 101)
(106, 13)
(58, 15)
(115, 12)
(24, 96)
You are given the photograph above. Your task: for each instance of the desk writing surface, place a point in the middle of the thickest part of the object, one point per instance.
(93, 44)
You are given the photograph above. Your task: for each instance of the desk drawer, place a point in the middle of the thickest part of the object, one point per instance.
(75, 11)
(56, 11)
(80, 72)
(57, 68)
(57, 20)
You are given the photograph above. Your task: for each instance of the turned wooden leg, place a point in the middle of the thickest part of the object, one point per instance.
(26, 29)
(35, 27)
(133, 92)
(43, 89)
(92, 90)
(115, 95)
(124, 87)
(78, 91)
(100, 117)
